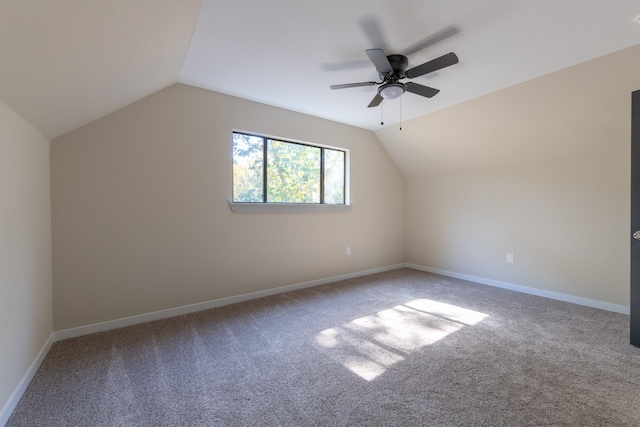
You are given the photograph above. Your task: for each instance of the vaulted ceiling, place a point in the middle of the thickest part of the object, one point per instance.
(66, 63)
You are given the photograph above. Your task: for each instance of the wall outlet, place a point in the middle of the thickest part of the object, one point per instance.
(510, 257)
(348, 250)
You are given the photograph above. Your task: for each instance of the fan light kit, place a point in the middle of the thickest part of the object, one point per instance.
(391, 90)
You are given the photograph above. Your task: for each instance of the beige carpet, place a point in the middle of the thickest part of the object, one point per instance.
(397, 348)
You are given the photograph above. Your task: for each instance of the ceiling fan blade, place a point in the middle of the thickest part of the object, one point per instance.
(348, 85)
(380, 60)
(419, 89)
(434, 38)
(376, 101)
(433, 65)
(372, 29)
(345, 65)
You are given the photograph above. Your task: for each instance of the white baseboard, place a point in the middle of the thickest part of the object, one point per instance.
(15, 397)
(524, 289)
(177, 311)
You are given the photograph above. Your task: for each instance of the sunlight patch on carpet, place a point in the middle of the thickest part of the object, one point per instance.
(370, 345)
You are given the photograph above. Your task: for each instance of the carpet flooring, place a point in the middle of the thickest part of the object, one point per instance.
(402, 347)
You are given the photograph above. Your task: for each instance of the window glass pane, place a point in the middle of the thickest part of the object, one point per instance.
(333, 176)
(293, 173)
(247, 168)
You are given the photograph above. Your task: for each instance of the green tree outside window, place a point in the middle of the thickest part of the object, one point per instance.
(267, 170)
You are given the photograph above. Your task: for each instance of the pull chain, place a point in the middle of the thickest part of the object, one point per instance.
(400, 113)
(382, 114)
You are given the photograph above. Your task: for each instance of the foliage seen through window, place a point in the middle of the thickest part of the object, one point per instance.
(267, 170)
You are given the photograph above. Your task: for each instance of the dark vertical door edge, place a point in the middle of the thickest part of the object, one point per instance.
(635, 220)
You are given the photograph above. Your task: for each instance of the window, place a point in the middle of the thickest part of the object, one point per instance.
(268, 170)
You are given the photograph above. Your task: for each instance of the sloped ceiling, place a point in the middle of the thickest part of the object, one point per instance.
(580, 111)
(287, 53)
(66, 63)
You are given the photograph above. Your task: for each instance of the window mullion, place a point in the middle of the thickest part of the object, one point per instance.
(264, 170)
(344, 178)
(321, 175)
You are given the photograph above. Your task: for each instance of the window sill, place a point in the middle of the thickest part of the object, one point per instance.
(286, 208)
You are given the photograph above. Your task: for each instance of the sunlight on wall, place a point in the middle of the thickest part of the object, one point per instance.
(368, 346)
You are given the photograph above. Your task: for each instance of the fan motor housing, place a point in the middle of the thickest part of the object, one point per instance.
(399, 63)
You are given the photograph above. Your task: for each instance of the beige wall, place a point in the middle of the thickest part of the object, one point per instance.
(541, 170)
(141, 221)
(566, 224)
(25, 248)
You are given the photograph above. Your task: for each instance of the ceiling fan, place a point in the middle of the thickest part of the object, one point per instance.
(393, 68)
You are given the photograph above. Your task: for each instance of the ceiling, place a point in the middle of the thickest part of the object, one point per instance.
(580, 113)
(66, 63)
